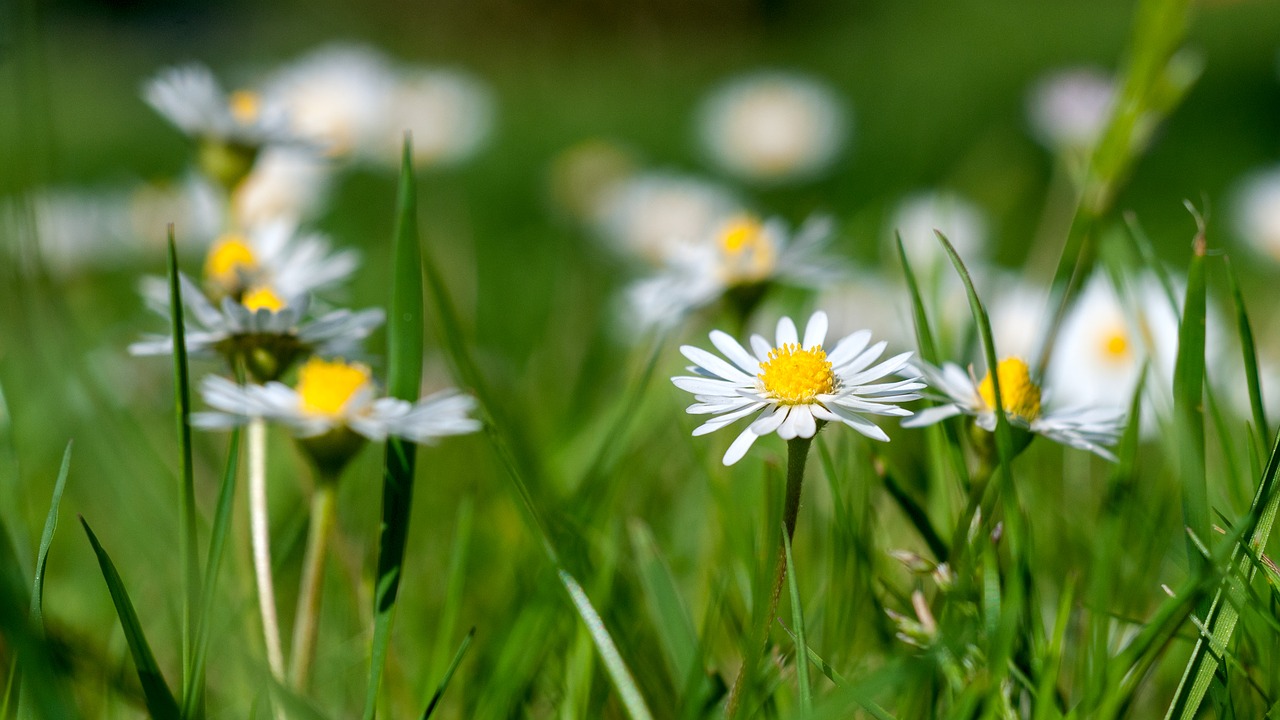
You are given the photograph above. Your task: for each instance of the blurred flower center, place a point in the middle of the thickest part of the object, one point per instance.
(229, 258)
(246, 106)
(1020, 396)
(326, 387)
(262, 297)
(794, 376)
(1115, 345)
(749, 254)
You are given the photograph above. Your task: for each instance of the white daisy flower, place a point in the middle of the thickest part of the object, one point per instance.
(286, 182)
(792, 386)
(262, 328)
(742, 252)
(1018, 312)
(648, 215)
(919, 214)
(1069, 109)
(1256, 212)
(191, 98)
(773, 127)
(449, 113)
(275, 255)
(1086, 427)
(333, 396)
(337, 96)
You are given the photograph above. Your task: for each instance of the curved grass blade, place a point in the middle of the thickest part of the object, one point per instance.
(448, 674)
(622, 679)
(669, 615)
(797, 619)
(187, 549)
(1188, 402)
(46, 539)
(456, 579)
(404, 378)
(1250, 354)
(160, 702)
(193, 693)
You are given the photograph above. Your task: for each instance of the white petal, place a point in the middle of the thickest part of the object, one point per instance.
(848, 347)
(932, 415)
(739, 447)
(815, 333)
(805, 424)
(715, 365)
(787, 334)
(790, 428)
(761, 348)
(769, 422)
(859, 423)
(706, 386)
(718, 422)
(734, 351)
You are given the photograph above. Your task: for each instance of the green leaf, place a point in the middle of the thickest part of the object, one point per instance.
(46, 539)
(404, 378)
(160, 702)
(623, 682)
(1188, 403)
(1249, 353)
(448, 674)
(797, 619)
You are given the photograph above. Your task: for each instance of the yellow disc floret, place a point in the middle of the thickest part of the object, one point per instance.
(747, 249)
(228, 260)
(325, 387)
(246, 106)
(1020, 396)
(262, 297)
(795, 376)
(1115, 345)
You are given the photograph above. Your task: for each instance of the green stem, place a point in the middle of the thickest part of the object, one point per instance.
(260, 534)
(307, 620)
(797, 454)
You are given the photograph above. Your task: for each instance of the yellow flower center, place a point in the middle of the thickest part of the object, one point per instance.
(1115, 345)
(1020, 396)
(246, 106)
(229, 258)
(748, 251)
(794, 376)
(262, 297)
(326, 387)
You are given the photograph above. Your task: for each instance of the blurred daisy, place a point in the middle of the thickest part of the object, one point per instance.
(449, 113)
(275, 255)
(792, 386)
(871, 301)
(649, 215)
(1018, 313)
(773, 127)
(286, 182)
(265, 330)
(1069, 109)
(1256, 212)
(742, 255)
(918, 215)
(333, 395)
(1086, 427)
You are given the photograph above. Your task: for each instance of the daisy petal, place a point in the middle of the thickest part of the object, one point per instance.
(815, 333)
(739, 447)
(734, 351)
(787, 334)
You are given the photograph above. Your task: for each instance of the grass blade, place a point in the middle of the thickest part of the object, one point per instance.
(448, 674)
(622, 679)
(802, 644)
(453, 588)
(46, 539)
(1188, 401)
(186, 483)
(669, 615)
(1250, 354)
(160, 702)
(404, 378)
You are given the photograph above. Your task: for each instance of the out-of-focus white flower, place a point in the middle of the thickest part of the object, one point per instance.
(1069, 109)
(919, 214)
(773, 127)
(1019, 314)
(275, 255)
(792, 385)
(284, 183)
(742, 252)
(1256, 212)
(338, 96)
(449, 113)
(191, 98)
(649, 215)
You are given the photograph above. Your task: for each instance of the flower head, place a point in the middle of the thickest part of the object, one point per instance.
(918, 215)
(1069, 110)
(1257, 213)
(1087, 428)
(650, 215)
(448, 112)
(792, 385)
(274, 254)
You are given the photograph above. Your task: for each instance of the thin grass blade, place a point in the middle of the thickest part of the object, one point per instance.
(622, 679)
(1249, 352)
(797, 620)
(669, 615)
(448, 674)
(46, 539)
(1188, 401)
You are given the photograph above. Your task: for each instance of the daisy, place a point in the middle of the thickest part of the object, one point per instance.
(448, 112)
(792, 387)
(1087, 428)
(648, 215)
(286, 182)
(1069, 109)
(334, 395)
(274, 254)
(773, 127)
(264, 329)
(1256, 213)
(742, 254)
(918, 215)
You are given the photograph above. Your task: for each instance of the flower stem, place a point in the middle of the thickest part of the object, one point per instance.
(307, 620)
(797, 454)
(260, 532)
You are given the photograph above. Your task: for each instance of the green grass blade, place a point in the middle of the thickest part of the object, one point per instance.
(456, 579)
(1188, 401)
(668, 614)
(797, 619)
(1250, 354)
(46, 539)
(1052, 659)
(404, 378)
(448, 674)
(192, 696)
(10, 484)
(187, 547)
(160, 702)
(622, 679)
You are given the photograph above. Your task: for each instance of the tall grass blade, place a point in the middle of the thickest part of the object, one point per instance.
(187, 549)
(1249, 353)
(159, 699)
(797, 619)
(622, 679)
(46, 539)
(668, 614)
(404, 379)
(41, 693)
(1188, 401)
(453, 589)
(448, 674)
